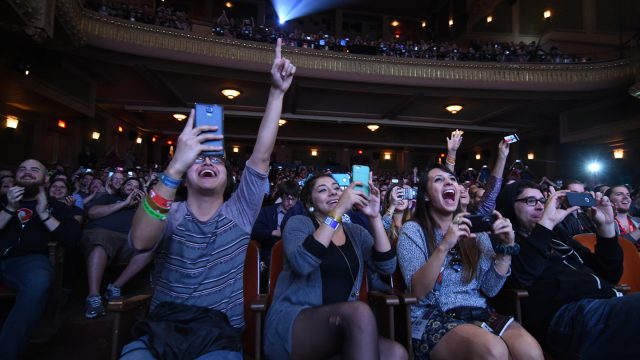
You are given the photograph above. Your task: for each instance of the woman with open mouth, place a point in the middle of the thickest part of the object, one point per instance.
(452, 269)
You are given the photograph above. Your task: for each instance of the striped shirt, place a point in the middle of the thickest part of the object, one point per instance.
(201, 262)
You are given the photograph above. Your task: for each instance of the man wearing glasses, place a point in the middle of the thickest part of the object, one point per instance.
(200, 244)
(573, 309)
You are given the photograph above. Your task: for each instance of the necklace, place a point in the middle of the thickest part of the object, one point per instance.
(357, 293)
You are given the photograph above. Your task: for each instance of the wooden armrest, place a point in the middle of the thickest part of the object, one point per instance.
(259, 303)
(623, 288)
(129, 303)
(377, 297)
(405, 298)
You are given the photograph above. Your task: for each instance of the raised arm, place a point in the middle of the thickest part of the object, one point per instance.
(453, 144)
(282, 72)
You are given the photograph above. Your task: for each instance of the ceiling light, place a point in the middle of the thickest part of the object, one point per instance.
(282, 122)
(454, 109)
(230, 93)
(489, 18)
(450, 22)
(547, 14)
(12, 122)
(531, 156)
(179, 117)
(373, 127)
(228, 4)
(395, 23)
(618, 153)
(95, 135)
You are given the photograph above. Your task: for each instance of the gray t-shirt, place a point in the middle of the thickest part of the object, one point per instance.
(201, 262)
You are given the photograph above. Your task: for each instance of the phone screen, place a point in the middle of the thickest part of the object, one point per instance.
(511, 138)
(213, 115)
(361, 173)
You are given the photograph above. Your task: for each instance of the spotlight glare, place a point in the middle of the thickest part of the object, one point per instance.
(594, 167)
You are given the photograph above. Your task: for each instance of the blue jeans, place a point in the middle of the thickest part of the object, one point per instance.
(137, 350)
(597, 329)
(30, 276)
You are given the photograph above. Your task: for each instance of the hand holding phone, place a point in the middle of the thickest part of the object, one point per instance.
(510, 139)
(580, 199)
(361, 173)
(481, 223)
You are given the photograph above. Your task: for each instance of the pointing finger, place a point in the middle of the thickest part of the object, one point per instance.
(278, 55)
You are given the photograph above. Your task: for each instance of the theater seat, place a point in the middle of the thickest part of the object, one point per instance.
(255, 304)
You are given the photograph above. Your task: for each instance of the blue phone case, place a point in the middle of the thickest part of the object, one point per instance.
(342, 179)
(361, 173)
(208, 114)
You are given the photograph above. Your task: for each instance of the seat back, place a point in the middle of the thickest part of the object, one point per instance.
(275, 267)
(587, 240)
(251, 283)
(631, 264)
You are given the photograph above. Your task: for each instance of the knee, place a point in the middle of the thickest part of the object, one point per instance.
(358, 314)
(490, 348)
(526, 348)
(395, 351)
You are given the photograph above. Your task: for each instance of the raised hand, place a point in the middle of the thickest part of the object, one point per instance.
(454, 142)
(459, 228)
(190, 145)
(14, 195)
(42, 203)
(282, 70)
(372, 210)
(602, 215)
(503, 229)
(503, 149)
(69, 200)
(350, 198)
(553, 214)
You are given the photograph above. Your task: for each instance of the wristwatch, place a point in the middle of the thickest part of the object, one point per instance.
(333, 223)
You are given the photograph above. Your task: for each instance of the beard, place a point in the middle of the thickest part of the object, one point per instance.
(31, 189)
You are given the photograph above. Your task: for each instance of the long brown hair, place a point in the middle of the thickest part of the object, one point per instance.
(469, 251)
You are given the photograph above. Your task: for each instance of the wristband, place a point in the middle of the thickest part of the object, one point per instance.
(155, 207)
(46, 219)
(154, 214)
(169, 182)
(4, 208)
(503, 249)
(333, 223)
(157, 199)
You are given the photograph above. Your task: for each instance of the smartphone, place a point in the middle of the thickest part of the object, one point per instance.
(208, 114)
(395, 181)
(342, 179)
(409, 193)
(129, 173)
(481, 223)
(580, 199)
(510, 139)
(361, 173)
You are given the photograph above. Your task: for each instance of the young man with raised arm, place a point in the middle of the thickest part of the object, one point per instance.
(200, 244)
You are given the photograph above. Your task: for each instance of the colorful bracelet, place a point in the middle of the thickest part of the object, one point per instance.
(155, 207)
(157, 199)
(154, 214)
(169, 182)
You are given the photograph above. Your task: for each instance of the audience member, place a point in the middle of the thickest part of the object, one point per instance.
(28, 221)
(200, 244)
(573, 308)
(314, 303)
(626, 225)
(452, 270)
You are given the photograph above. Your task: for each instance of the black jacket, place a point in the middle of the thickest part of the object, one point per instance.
(554, 280)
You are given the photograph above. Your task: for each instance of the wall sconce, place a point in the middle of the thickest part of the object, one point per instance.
(314, 152)
(450, 22)
(282, 122)
(395, 23)
(62, 124)
(478, 156)
(531, 156)
(547, 14)
(423, 24)
(138, 140)
(228, 4)
(454, 109)
(95, 135)
(230, 93)
(179, 117)
(120, 129)
(387, 156)
(618, 153)
(12, 122)
(154, 139)
(373, 127)
(489, 19)
(236, 148)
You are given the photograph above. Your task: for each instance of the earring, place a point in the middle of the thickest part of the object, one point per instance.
(311, 209)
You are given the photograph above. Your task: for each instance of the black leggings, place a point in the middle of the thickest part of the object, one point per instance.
(344, 330)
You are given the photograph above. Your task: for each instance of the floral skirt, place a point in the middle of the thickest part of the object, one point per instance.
(436, 325)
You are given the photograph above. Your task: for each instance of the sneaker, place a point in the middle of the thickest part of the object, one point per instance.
(113, 294)
(94, 307)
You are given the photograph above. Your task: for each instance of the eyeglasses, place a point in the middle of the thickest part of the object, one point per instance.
(213, 159)
(532, 201)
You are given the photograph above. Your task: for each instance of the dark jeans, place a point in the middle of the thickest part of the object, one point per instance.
(30, 276)
(597, 329)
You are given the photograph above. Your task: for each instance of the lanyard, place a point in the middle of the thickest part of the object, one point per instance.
(623, 231)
